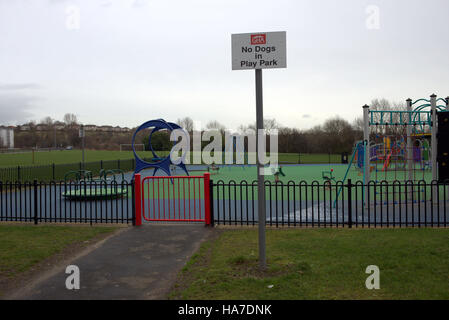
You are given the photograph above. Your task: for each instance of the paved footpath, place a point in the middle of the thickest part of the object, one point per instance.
(138, 263)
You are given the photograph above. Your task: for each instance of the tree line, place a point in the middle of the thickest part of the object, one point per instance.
(335, 135)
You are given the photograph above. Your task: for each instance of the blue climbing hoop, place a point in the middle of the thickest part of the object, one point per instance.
(162, 163)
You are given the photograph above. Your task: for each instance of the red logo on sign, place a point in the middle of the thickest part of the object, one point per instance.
(258, 39)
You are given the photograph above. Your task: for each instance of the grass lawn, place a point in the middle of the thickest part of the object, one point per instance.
(23, 247)
(63, 157)
(319, 264)
(75, 156)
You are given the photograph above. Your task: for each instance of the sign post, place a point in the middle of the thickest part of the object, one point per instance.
(259, 51)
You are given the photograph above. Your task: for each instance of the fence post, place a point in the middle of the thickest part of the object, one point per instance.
(53, 170)
(18, 173)
(101, 164)
(349, 203)
(207, 198)
(138, 199)
(211, 194)
(118, 164)
(35, 201)
(133, 203)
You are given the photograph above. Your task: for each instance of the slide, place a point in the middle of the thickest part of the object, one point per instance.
(387, 162)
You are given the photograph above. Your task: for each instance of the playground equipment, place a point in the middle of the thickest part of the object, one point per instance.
(276, 172)
(328, 177)
(405, 149)
(388, 158)
(163, 164)
(80, 185)
(410, 154)
(213, 168)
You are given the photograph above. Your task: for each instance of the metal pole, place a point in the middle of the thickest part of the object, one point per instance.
(433, 105)
(409, 140)
(434, 130)
(260, 168)
(35, 202)
(349, 203)
(366, 166)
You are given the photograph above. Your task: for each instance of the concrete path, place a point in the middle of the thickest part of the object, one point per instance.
(138, 263)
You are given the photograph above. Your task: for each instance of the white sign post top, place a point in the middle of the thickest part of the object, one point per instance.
(263, 50)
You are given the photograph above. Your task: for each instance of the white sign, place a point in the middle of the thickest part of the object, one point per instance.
(263, 50)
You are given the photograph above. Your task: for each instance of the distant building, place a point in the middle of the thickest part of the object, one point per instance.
(6, 137)
(105, 128)
(24, 127)
(90, 127)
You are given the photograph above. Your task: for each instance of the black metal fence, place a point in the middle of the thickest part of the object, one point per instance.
(317, 204)
(56, 172)
(82, 202)
(300, 204)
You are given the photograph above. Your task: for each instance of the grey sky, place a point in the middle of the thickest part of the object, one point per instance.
(131, 61)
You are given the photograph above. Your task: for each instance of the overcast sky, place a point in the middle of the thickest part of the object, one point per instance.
(127, 61)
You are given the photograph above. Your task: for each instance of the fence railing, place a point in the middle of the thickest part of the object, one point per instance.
(56, 172)
(300, 204)
(317, 204)
(81, 202)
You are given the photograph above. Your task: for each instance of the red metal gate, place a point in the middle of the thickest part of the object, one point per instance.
(178, 198)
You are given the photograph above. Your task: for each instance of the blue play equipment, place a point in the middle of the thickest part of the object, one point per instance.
(360, 150)
(160, 163)
(359, 147)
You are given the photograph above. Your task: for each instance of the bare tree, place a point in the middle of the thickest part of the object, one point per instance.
(214, 124)
(186, 123)
(48, 121)
(268, 124)
(70, 119)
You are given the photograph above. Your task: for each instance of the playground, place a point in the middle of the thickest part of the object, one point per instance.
(391, 177)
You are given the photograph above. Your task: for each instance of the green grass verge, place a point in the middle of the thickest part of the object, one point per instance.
(319, 264)
(64, 157)
(75, 156)
(22, 247)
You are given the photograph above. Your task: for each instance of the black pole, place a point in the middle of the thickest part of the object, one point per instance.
(349, 203)
(211, 196)
(133, 205)
(35, 201)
